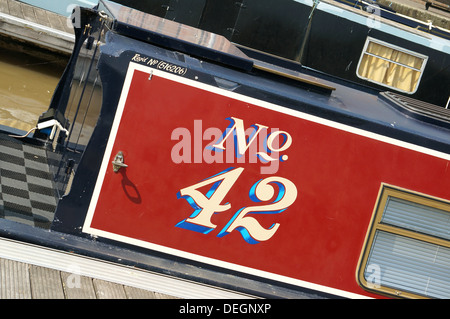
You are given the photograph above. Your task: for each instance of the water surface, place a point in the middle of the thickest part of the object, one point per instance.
(27, 84)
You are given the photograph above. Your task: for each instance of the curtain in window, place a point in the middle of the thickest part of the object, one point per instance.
(376, 65)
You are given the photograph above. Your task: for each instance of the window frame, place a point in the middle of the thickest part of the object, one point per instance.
(397, 48)
(387, 191)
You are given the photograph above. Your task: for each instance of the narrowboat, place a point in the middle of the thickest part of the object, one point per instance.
(170, 149)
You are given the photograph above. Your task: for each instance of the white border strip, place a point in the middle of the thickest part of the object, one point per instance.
(49, 258)
(105, 165)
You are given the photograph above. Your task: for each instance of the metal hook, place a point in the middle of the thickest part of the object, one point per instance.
(118, 162)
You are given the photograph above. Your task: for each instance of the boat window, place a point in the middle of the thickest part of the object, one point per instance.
(407, 253)
(391, 66)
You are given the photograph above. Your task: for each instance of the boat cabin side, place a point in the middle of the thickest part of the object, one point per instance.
(169, 141)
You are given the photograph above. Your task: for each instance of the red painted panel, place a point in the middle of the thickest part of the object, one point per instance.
(337, 176)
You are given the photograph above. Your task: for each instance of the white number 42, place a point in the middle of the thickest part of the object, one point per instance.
(205, 205)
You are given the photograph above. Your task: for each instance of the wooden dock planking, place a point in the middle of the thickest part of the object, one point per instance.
(36, 26)
(14, 280)
(20, 280)
(45, 283)
(36, 15)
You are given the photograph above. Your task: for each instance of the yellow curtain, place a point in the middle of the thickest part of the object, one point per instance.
(375, 68)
